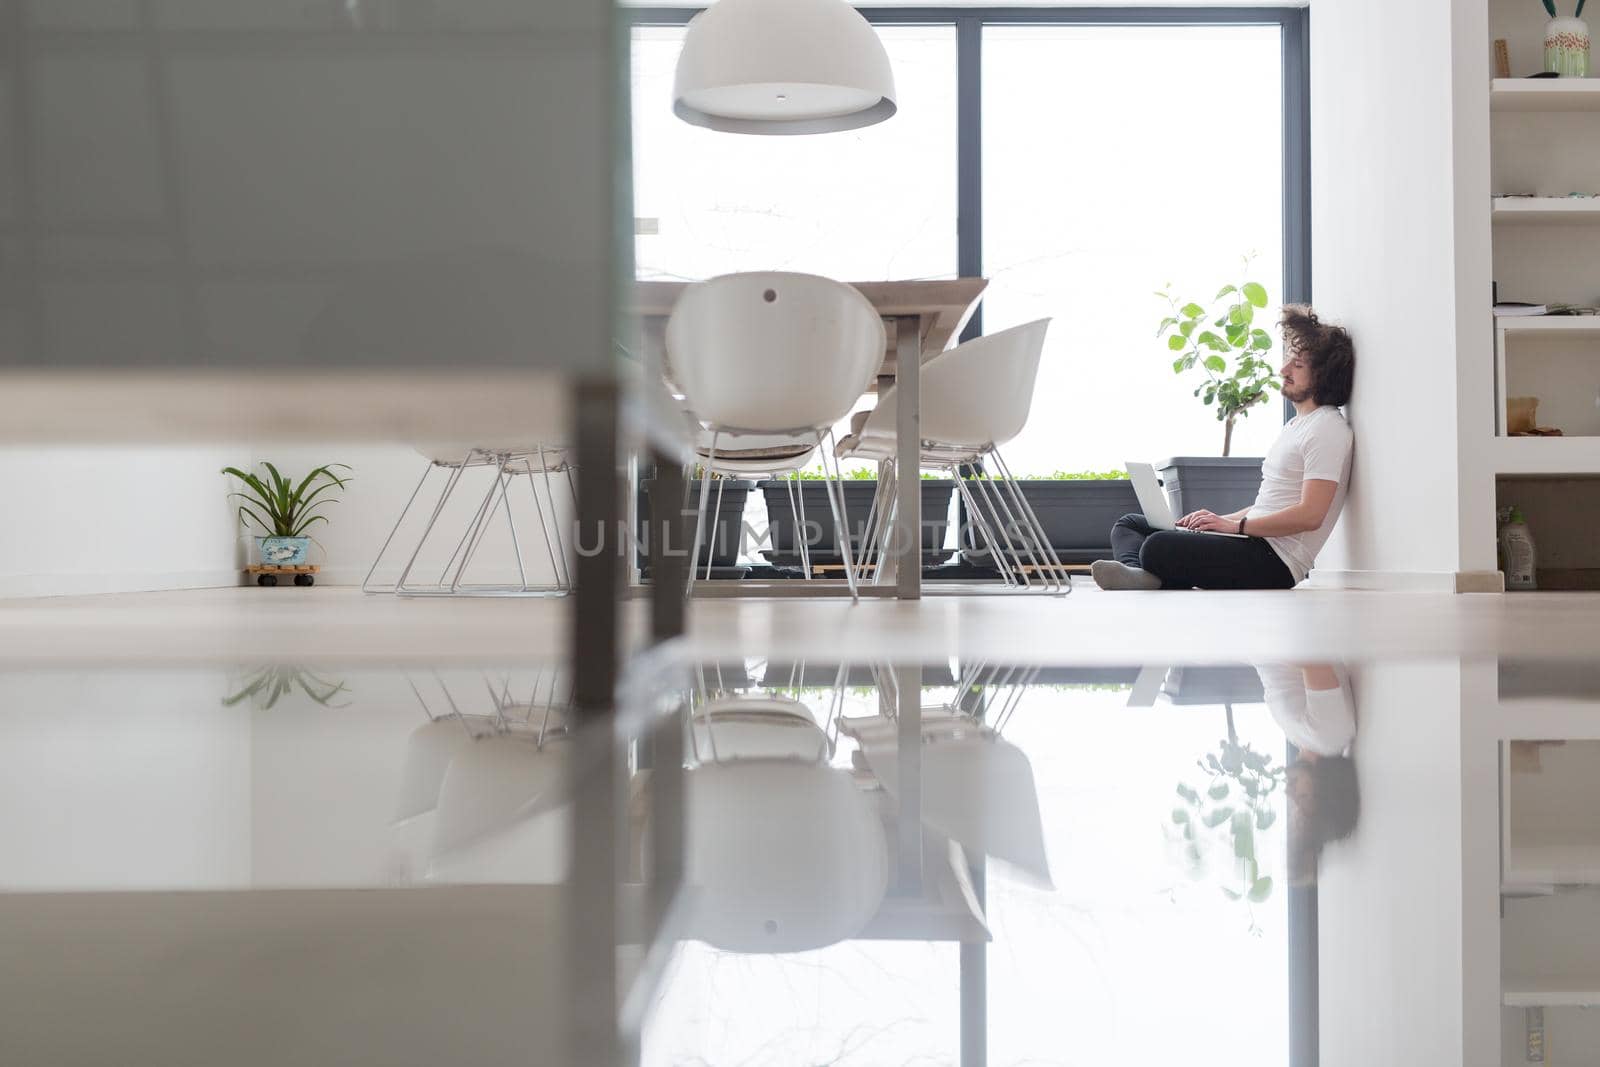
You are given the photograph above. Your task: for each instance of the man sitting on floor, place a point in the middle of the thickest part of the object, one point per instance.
(1303, 485)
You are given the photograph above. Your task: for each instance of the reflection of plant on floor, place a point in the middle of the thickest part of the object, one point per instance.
(268, 685)
(1225, 813)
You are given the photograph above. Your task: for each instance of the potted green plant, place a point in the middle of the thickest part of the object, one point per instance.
(1076, 508)
(1224, 343)
(284, 510)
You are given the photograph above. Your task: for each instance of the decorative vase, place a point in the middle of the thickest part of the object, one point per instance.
(1566, 47)
(283, 551)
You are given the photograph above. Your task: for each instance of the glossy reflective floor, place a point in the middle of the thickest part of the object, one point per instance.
(960, 861)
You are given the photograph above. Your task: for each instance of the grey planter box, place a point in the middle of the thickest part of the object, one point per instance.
(722, 536)
(1077, 517)
(784, 546)
(1218, 484)
(1215, 685)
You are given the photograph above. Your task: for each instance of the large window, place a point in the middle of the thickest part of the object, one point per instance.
(1119, 160)
(1098, 164)
(867, 205)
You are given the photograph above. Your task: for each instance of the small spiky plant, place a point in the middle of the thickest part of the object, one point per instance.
(279, 507)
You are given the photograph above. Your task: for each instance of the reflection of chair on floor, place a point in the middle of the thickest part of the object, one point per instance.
(760, 727)
(784, 853)
(975, 398)
(541, 467)
(492, 772)
(977, 787)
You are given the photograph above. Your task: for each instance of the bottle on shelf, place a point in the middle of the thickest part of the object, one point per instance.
(1518, 552)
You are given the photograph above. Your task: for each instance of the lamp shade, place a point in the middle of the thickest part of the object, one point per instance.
(782, 67)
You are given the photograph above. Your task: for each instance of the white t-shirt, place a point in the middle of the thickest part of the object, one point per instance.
(1315, 445)
(1316, 720)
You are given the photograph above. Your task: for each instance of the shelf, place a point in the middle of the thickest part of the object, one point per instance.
(1574, 324)
(1573, 864)
(1534, 210)
(1541, 993)
(1544, 94)
(1571, 456)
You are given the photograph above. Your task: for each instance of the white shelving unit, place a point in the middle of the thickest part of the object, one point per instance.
(1545, 140)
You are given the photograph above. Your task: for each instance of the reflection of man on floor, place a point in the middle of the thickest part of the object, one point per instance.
(1303, 483)
(1313, 707)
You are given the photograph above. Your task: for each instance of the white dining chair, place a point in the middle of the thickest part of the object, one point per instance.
(975, 398)
(540, 467)
(772, 357)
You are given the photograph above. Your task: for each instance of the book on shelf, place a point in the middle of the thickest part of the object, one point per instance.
(1516, 310)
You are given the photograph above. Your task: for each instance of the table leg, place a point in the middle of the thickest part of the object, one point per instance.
(907, 533)
(908, 756)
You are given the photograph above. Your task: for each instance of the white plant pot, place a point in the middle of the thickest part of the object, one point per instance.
(1566, 47)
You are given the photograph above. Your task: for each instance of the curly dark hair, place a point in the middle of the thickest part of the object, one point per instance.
(1330, 814)
(1326, 347)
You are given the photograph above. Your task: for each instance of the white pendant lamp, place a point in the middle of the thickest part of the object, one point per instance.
(782, 67)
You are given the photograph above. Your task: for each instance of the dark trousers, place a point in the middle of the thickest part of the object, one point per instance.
(1183, 559)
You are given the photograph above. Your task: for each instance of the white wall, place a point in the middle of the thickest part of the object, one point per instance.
(1399, 149)
(116, 519)
(1407, 906)
(123, 519)
(381, 480)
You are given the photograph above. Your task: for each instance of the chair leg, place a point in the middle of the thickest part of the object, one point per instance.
(986, 487)
(868, 533)
(1063, 577)
(798, 516)
(700, 516)
(511, 524)
(563, 576)
(365, 582)
(438, 509)
(544, 530)
(840, 519)
(467, 537)
(980, 521)
(716, 521)
(888, 488)
(497, 496)
(805, 529)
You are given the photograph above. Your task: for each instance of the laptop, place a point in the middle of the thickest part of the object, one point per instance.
(1153, 500)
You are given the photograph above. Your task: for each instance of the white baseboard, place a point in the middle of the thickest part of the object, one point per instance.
(348, 575)
(31, 585)
(1409, 581)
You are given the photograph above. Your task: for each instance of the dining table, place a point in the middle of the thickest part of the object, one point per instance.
(922, 317)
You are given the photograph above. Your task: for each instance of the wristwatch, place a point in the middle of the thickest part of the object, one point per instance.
(1241, 523)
